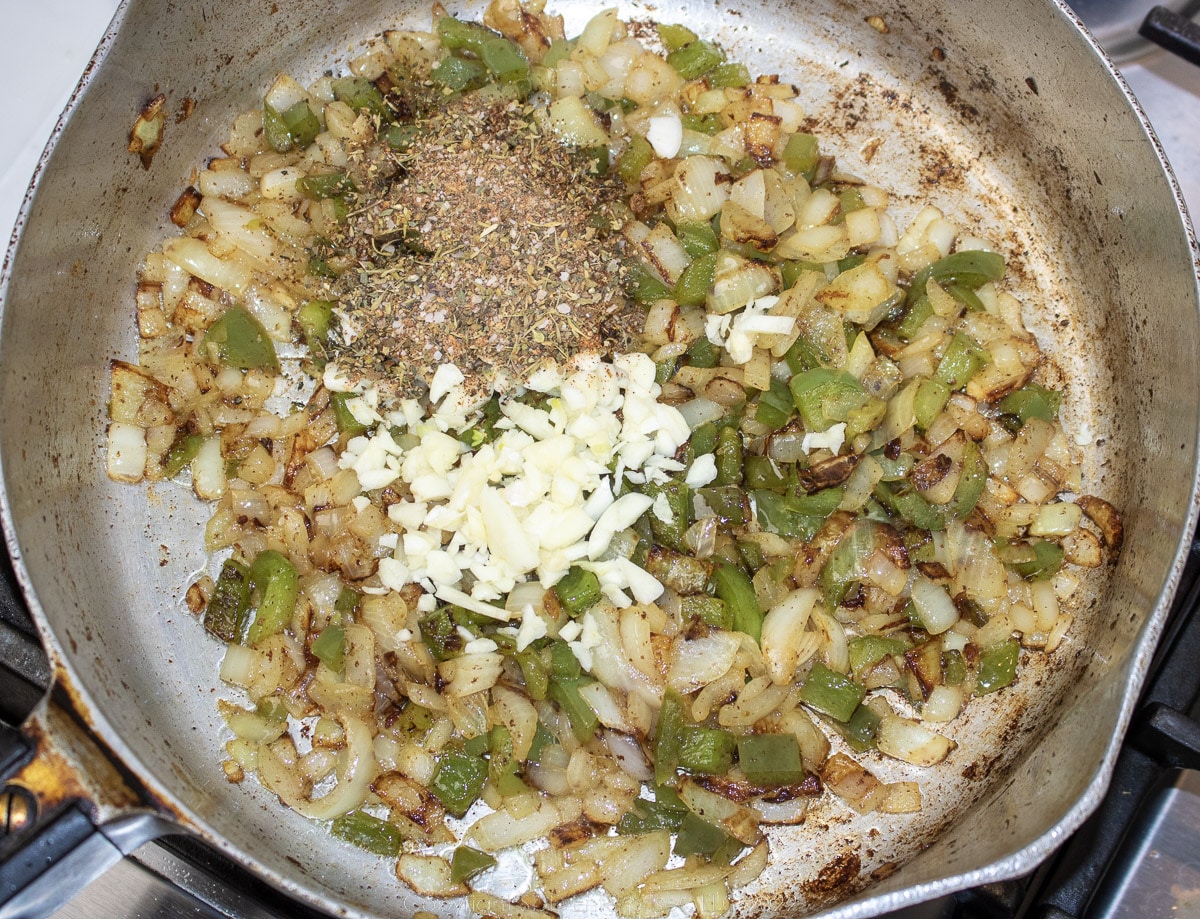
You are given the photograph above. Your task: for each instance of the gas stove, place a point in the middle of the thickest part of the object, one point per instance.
(1137, 856)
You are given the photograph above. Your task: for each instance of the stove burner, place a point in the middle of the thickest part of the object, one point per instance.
(1115, 23)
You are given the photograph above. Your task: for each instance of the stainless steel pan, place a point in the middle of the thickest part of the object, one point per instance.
(1003, 114)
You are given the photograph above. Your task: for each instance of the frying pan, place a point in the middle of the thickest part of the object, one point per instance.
(1004, 115)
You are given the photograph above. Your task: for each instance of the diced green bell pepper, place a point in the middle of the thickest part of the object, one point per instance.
(706, 750)
(458, 780)
(329, 647)
(771, 759)
(1032, 401)
(668, 737)
(225, 615)
(368, 832)
(361, 95)
(971, 483)
(696, 281)
(238, 340)
(346, 422)
(695, 59)
(466, 862)
(578, 590)
(736, 590)
(962, 360)
(273, 579)
(831, 693)
(698, 837)
(998, 666)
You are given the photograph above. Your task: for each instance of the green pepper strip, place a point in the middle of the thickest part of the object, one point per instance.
(367, 832)
(1035, 561)
(831, 693)
(826, 396)
(775, 405)
(314, 318)
(729, 456)
(329, 647)
(1032, 401)
(533, 669)
(698, 837)
(733, 587)
(728, 75)
(182, 452)
(240, 341)
(861, 729)
(954, 667)
(796, 516)
(998, 666)
(771, 759)
(801, 154)
(302, 124)
(696, 281)
(910, 506)
(868, 650)
(679, 500)
(962, 360)
(634, 159)
(726, 501)
(502, 767)
(706, 750)
(583, 719)
(361, 95)
(668, 737)
(274, 580)
(674, 36)
(710, 610)
(346, 422)
(458, 780)
(681, 573)
(972, 482)
(225, 614)
(665, 812)
(458, 73)
(578, 590)
(276, 130)
(969, 269)
(697, 238)
(931, 397)
(695, 59)
(703, 353)
(466, 862)
(325, 185)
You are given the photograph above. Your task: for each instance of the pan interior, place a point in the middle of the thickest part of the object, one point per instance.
(1039, 149)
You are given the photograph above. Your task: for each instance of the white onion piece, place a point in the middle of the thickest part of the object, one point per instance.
(790, 813)
(783, 633)
(126, 452)
(549, 773)
(428, 875)
(911, 742)
(697, 662)
(607, 709)
(628, 754)
(701, 411)
(500, 829)
(944, 704)
(935, 609)
(355, 773)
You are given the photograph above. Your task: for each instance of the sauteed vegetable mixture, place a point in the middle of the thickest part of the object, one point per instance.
(594, 464)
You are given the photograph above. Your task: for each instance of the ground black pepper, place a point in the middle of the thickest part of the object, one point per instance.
(487, 244)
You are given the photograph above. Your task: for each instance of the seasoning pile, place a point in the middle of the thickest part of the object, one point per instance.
(494, 247)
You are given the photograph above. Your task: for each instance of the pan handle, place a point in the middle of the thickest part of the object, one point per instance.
(70, 810)
(1176, 33)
